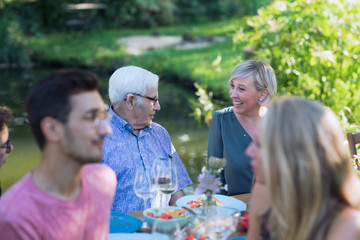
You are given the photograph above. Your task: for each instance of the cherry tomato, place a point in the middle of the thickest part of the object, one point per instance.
(165, 216)
(150, 214)
(190, 238)
(244, 222)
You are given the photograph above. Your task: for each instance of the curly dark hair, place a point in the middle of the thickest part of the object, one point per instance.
(5, 117)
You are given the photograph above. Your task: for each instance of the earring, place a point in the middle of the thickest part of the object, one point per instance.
(260, 99)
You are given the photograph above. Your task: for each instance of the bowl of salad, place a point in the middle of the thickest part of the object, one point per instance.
(167, 215)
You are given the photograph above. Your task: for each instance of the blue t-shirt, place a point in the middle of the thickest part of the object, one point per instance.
(124, 152)
(228, 139)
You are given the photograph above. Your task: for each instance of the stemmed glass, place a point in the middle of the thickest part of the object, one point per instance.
(218, 223)
(166, 231)
(216, 163)
(164, 173)
(142, 186)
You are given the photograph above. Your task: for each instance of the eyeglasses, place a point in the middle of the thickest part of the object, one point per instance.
(96, 117)
(7, 146)
(155, 100)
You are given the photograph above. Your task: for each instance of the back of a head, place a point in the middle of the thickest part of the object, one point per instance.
(50, 97)
(305, 160)
(130, 79)
(263, 73)
(5, 117)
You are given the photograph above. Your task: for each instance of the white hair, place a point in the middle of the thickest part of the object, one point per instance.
(130, 79)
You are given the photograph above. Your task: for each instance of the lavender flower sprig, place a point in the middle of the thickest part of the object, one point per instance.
(207, 182)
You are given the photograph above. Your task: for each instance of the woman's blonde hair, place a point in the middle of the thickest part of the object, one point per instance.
(263, 74)
(306, 165)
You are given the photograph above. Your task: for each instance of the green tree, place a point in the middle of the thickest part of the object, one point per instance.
(139, 13)
(13, 44)
(314, 48)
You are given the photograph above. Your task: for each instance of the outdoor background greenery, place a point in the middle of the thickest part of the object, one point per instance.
(313, 45)
(314, 49)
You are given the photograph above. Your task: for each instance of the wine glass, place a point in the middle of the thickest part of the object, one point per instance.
(143, 187)
(216, 163)
(154, 170)
(166, 230)
(217, 224)
(165, 173)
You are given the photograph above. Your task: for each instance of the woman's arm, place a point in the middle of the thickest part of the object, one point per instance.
(259, 205)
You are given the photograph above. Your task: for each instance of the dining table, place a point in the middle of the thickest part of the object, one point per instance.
(239, 231)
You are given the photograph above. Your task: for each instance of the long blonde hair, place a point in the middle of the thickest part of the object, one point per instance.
(306, 165)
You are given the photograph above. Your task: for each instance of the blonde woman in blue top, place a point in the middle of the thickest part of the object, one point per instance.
(252, 85)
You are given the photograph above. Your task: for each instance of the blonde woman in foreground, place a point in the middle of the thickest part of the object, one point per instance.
(305, 186)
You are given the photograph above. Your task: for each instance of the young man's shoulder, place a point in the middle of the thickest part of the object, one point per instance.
(99, 171)
(20, 189)
(18, 205)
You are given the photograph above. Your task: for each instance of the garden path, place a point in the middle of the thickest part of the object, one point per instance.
(137, 45)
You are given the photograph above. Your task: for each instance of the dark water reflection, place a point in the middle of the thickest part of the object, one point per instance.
(189, 139)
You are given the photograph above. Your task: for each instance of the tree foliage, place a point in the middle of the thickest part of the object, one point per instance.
(139, 13)
(313, 46)
(12, 42)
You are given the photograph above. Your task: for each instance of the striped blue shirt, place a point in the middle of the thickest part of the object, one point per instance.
(124, 152)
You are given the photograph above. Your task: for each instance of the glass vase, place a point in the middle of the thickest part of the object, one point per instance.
(209, 200)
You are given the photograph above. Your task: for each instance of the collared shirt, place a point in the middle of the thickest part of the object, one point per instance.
(123, 151)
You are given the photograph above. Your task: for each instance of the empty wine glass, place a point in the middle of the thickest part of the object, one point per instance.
(165, 172)
(142, 186)
(218, 223)
(169, 230)
(216, 163)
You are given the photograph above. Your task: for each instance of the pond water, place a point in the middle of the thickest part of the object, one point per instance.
(189, 139)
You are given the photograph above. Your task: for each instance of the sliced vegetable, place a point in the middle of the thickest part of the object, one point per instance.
(199, 202)
(167, 213)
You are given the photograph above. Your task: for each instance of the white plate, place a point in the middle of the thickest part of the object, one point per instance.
(130, 236)
(225, 200)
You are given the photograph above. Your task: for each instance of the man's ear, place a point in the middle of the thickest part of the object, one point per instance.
(130, 101)
(51, 128)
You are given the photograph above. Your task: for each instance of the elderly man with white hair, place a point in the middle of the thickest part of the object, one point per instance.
(136, 140)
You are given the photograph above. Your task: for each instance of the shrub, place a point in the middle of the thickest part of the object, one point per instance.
(12, 43)
(210, 10)
(139, 13)
(36, 16)
(313, 46)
